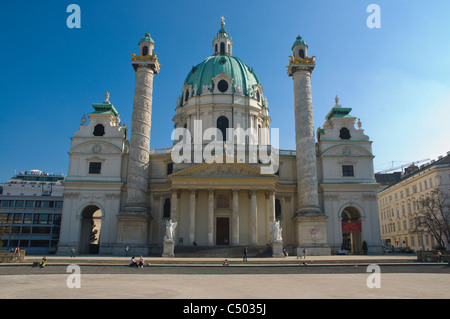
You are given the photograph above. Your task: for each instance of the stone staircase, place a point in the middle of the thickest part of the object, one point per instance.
(221, 251)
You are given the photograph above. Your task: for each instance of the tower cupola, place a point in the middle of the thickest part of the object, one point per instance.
(146, 45)
(300, 48)
(222, 44)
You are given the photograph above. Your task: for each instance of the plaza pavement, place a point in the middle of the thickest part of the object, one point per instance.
(147, 285)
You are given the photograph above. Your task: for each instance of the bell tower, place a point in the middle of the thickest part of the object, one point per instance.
(310, 221)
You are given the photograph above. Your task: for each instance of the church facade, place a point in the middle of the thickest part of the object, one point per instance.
(224, 182)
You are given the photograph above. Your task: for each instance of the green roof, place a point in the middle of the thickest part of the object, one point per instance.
(147, 38)
(222, 33)
(212, 66)
(105, 108)
(298, 41)
(339, 111)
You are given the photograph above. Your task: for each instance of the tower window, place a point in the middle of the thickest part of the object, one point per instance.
(145, 50)
(99, 130)
(215, 49)
(344, 134)
(222, 125)
(222, 86)
(166, 212)
(95, 167)
(222, 48)
(347, 170)
(278, 209)
(169, 168)
(301, 53)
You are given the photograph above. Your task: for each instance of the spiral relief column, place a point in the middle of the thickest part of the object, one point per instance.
(134, 220)
(310, 221)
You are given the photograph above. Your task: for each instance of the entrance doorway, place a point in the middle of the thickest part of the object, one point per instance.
(222, 231)
(91, 223)
(351, 230)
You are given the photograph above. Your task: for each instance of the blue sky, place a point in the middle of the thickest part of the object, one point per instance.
(395, 78)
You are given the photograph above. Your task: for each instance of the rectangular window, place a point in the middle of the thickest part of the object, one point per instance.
(347, 170)
(26, 229)
(17, 218)
(27, 219)
(20, 203)
(95, 167)
(29, 203)
(42, 219)
(48, 204)
(41, 230)
(7, 203)
(3, 218)
(39, 243)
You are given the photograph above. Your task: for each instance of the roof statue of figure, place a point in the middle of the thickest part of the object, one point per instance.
(106, 101)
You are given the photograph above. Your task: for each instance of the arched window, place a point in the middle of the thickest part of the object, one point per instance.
(166, 212)
(222, 125)
(215, 49)
(258, 96)
(99, 130)
(344, 134)
(278, 214)
(186, 95)
(260, 140)
(145, 50)
(222, 48)
(229, 49)
(301, 53)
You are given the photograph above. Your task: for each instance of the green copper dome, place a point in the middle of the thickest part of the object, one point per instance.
(147, 38)
(298, 41)
(212, 66)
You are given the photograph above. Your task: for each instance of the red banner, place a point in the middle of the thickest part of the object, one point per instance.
(349, 227)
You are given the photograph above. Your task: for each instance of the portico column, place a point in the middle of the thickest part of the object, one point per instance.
(235, 218)
(253, 219)
(272, 205)
(174, 209)
(210, 217)
(192, 215)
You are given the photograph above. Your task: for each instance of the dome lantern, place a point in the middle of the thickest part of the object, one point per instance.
(222, 44)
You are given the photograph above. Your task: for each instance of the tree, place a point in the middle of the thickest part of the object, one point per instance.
(433, 216)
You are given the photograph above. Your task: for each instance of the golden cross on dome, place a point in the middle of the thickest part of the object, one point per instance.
(222, 23)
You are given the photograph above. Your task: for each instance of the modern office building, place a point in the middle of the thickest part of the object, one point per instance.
(30, 212)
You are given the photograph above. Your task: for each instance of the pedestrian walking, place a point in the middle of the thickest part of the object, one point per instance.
(72, 252)
(439, 256)
(245, 253)
(305, 251)
(126, 251)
